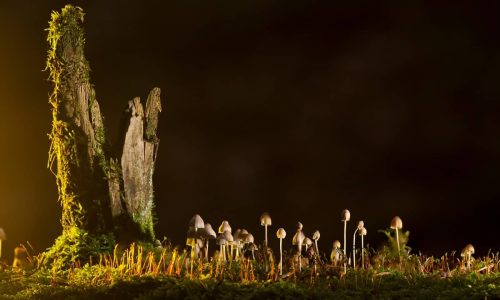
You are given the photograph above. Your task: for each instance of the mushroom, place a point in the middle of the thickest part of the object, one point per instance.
(20, 257)
(252, 247)
(335, 255)
(345, 217)
(3, 237)
(362, 233)
(298, 239)
(361, 225)
(265, 220)
(209, 234)
(221, 242)
(196, 222)
(467, 254)
(229, 241)
(224, 227)
(316, 236)
(238, 238)
(281, 234)
(397, 224)
(191, 241)
(308, 243)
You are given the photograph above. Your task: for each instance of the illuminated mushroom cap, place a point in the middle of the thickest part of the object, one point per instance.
(468, 250)
(281, 233)
(299, 226)
(345, 216)
(336, 244)
(224, 227)
(209, 232)
(249, 238)
(265, 219)
(196, 222)
(298, 238)
(308, 241)
(363, 231)
(3, 236)
(316, 235)
(396, 223)
(361, 224)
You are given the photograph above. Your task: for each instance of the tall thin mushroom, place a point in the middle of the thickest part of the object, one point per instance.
(467, 254)
(335, 254)
(265, 220)
(361, 225)
(316, 236)
(397, 224)
(281, 234)
(298, 239)
(345, 217)
(209, 234)
(362, 233)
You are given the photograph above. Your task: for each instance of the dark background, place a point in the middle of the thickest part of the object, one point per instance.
(301, 109)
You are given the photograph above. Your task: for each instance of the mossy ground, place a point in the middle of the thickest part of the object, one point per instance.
(41, 285)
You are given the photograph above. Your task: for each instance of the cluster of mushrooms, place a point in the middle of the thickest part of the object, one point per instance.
(240, 243)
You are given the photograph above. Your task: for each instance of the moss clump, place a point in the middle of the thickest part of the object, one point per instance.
(76, 245)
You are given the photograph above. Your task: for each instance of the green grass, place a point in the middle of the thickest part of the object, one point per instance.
(149, 273)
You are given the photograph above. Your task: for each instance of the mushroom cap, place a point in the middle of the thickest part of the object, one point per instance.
(3, 236)
(363, 231)
(345, 216)
(221, 240)
(224, 227)
(196, 222)
(361, 224)
(298, 238)
(396, 223)
(237, 235)
(281, 233)
(468, 250)
(249, 238)
(265, 219)
(209, 232)
(244, 232)
(336, 244)
(316, 235)
(299, 226)
(308, 241)
(228, 236)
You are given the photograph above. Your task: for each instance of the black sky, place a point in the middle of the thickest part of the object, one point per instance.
(301, 109)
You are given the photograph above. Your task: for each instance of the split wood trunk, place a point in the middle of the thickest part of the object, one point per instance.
(99, 192)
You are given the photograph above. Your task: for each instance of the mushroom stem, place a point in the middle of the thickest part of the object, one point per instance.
(281, 257)
(317, 250)
(397, 241)
(206, 250)
(253, 254)
(345, 248)
(0, 248)
(300, 256)
(362, 251)
(354, 249)
(265, 239)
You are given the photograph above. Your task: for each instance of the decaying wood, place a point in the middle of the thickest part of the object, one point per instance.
(98, 192)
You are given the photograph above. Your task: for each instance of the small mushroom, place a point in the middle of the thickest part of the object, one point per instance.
(3, 237)
(335, 255)
(397, 224)
(221, 242)
(362, 233)
(316, 236)
(224, 227)
(361, 225)
(196, 222)
(20, 257)
(252, 247)
(209, 234)
(307, 243)
(265, 220)
(345, 217)
(229, 242)
(467, 254)
(281, 234)
(297, 240)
